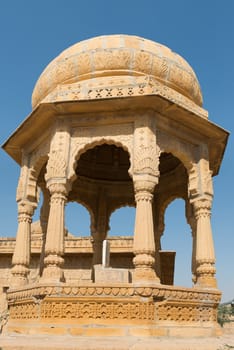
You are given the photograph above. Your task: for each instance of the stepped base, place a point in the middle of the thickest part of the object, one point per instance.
(44, 342)
(124, 310)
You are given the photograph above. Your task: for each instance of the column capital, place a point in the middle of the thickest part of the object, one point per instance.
(26, 207)
(202, 207)
(57, 187)
(144, 183)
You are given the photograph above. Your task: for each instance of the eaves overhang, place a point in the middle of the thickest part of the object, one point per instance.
(46, 113)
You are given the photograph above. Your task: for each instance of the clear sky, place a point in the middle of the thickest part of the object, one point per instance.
(32, 33)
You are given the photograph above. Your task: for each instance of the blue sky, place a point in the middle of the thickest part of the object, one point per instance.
(32, 33)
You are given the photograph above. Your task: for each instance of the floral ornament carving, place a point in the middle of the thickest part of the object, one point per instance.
(146, 161)
(56, 166)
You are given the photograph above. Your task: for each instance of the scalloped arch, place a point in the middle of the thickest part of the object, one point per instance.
(89, 209)
(182, 152)
(163, 208)
(82, 148)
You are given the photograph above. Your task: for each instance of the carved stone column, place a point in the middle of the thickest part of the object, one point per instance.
(44, 214)
(205, 256)
(54, 247)
(21, 256)
(191, 220)
(158, 231)
(144, 244)
(100, 228)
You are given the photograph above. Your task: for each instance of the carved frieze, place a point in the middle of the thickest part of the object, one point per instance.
(124, 87)
(98, 309)
(115, 303)
(160, 292)
(180, 312)
(104, 309)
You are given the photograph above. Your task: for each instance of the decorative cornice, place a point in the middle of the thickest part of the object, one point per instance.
(159, 292)
(124, 87)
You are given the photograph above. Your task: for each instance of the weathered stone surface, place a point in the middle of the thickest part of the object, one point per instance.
(109, 274)
(16, 342)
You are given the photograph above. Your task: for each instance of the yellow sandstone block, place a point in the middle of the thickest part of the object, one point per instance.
(115, 332)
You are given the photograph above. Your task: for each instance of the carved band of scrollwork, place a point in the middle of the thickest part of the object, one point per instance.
(89, 309)
(185, 313)
(110, 310)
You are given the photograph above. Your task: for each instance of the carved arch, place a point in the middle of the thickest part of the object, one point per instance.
(89, 209)
(36, 168)
(186, 153)
(80, 148)
(162, 209)
(119, 206)
(32, 192)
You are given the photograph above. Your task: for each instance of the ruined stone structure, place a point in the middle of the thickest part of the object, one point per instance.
(117, 120)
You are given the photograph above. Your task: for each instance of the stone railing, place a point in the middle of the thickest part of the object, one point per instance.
(120, 244)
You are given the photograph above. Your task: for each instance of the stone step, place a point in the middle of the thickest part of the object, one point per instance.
(18, 342)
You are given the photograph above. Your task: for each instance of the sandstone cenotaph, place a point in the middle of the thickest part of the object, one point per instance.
(116, 120)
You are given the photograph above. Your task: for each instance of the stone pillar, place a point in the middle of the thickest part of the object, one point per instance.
(97, 251)
(45, 208)
(191, 220)
(100, 228)
(158, 216)
(144, 244)
(44, 214)
(194, 254)
(205, 256)
(21, 256)
(54, 247)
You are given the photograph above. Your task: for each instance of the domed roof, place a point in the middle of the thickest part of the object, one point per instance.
(118, 55)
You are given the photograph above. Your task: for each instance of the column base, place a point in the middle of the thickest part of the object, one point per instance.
(206, 282)
(19, 276)
(142, 274)
(52, 274)
(53, 271)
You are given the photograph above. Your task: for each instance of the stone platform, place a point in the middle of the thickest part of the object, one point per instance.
(19, 342)
(123, 310)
